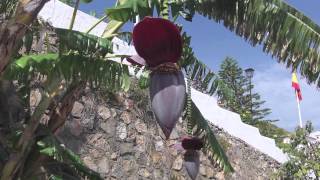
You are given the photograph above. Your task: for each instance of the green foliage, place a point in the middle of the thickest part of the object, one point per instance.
(7, 8)
(270, 130)
(144, 80)
(304, 157)
(212, 147)
(73, 67)
(81, 58)
(50, 146)
(127, 10)
(284, 32)
(224, 143)
(69, 2)
(197, 71)
(233, 76)
(84, 44)
(245, 103)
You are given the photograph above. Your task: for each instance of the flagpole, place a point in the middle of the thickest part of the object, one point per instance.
(299, 111)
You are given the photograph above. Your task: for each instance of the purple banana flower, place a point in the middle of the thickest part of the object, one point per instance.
(167, 92)
(192, 163)
(159, 44)
(191, 155)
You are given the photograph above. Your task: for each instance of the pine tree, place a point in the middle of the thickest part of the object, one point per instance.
(248, 106)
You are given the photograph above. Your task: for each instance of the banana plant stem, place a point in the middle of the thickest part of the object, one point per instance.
(96, 24)
(74, 14)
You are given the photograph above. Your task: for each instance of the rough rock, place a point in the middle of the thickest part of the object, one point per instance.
(140, 127)
(35, 97)
(126, 117)
(104, 112)
(144, 173)
(177, 164)
(121, 131)
(103, 166)
(127, 144)
(126, 148)
(77, 109)
(159, 145)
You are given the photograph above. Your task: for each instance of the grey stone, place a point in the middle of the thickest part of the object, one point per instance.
(121, 131)
(77, 109)
(104, 112)
(114, 156)
(174, 134)
(202, 170)
(126, 148)
(140, 142)
(88, 123)
(109, 127)
(113, 112)
(35, 97)
(140, 126)
(103, 165)
(75, 127)
(117, 171)
(159, 145)
(158, 174)
(144, 173)
(209, 172)
(177, 164)
(129, 166)
(128, 104)
(89, 163)
(126, 117)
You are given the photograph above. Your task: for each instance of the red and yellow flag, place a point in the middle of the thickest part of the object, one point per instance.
(296, 86)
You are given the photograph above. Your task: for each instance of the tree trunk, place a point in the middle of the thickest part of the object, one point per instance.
(64, 107)
(12, 30)
(57, 119)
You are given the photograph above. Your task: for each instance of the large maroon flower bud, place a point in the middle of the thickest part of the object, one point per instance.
(157, 41)
(192, 143)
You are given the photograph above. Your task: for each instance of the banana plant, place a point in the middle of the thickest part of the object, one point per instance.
(284, 32)
(167, 89)
(75, 10)
(81, 62)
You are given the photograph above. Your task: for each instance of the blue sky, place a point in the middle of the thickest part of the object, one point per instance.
(212, 43)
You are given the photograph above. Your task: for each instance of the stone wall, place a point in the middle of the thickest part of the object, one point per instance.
(117, 136)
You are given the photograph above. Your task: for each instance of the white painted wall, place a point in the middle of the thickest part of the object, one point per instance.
(231, 123)
(59, 14)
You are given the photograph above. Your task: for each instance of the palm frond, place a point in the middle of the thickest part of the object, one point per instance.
(283, 31)
(212, 84)
(50, 146)
(82, 43)
(7, 8)
(212, 148)
(113, 26)
(72, 67)
(127, 10)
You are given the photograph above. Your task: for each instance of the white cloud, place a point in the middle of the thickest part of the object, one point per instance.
(274, 85)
